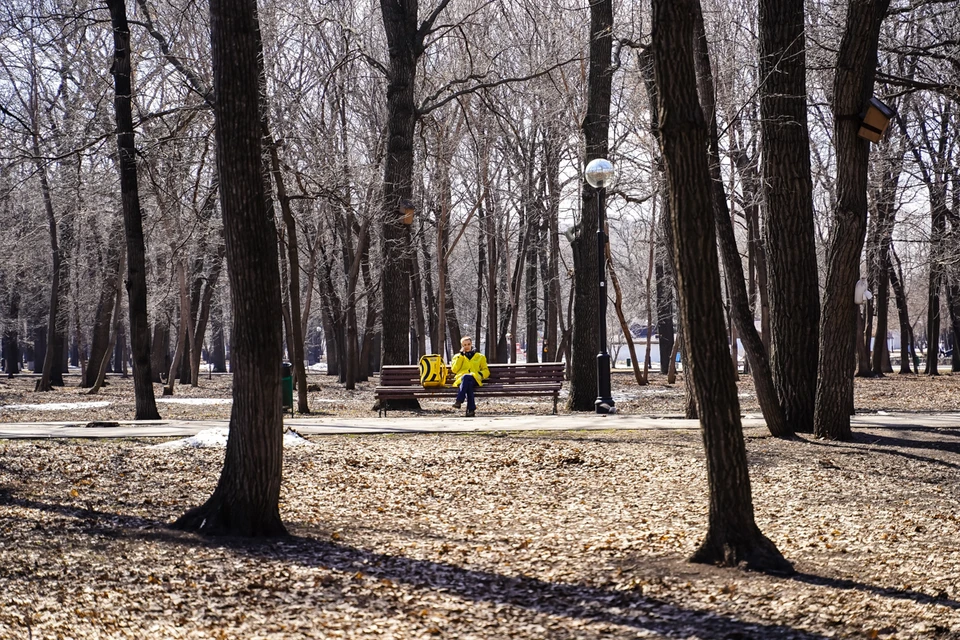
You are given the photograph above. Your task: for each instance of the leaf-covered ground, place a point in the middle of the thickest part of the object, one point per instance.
(569, 535)
(552, 535)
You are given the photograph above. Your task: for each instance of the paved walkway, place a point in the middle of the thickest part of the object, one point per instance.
(433, 424)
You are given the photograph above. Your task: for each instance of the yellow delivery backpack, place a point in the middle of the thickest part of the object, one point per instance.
(433, 370)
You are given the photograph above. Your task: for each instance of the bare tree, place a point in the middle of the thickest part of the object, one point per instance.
(732, 535)
(246, 499)
(852, 88)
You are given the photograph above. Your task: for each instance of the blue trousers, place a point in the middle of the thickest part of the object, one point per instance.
(467, 386)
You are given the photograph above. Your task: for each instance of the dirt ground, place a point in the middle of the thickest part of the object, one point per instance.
(533, 535)
(893, 393)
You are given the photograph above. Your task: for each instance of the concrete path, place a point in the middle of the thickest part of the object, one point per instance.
(432, 424)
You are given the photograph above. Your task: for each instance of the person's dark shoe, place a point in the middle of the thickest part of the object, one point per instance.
(456, 404)
(470, 414)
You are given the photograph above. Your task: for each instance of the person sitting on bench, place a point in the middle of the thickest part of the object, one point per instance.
(471, 370)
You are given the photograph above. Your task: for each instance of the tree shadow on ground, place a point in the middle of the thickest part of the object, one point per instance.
(887, 592)
(891, 445)
(584, 603)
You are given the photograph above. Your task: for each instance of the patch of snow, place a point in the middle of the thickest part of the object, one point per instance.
(58, 406)
(195, 401)
(217, 438)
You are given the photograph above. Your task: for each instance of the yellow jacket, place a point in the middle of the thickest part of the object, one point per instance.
(475, 365)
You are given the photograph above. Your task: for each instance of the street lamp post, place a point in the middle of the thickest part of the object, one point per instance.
(599, 174)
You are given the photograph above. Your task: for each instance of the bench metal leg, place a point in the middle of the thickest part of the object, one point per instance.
(556, 396)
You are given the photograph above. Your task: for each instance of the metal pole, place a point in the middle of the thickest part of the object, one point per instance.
(604, 403)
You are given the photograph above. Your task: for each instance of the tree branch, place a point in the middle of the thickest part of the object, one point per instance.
(427, 107)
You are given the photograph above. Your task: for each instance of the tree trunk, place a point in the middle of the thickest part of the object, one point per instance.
(493, 286)
(852, 88)
(160, 349)
(116, 330)
(146, 404)
(405, 41)
(595, 127)
(907, 350)
(219, 352)
(203, 315)
(791, 255)
(11, 339)
(733, 537)
(246, 499)
(103, 317)
(641, 377)
(551, 226)
(50, 360)
(293, 259)
(183, 333)
(742, 314)
(663, 267)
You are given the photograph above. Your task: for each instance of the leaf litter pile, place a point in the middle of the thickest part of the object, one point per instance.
(532, 535)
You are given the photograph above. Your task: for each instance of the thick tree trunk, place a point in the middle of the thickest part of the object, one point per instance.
(733, 537)
(246, 499)
(405, 41)
(793, 283)
(146, 404)
(595, 126)
(852, 88)
(742, 314)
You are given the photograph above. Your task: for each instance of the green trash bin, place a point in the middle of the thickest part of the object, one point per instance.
(286, 383)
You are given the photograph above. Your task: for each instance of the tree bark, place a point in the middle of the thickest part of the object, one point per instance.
(11, 336)
(551, 225)
(742, 314)
(116, 330)
(146, 404)
(246, 499)
(907, 350)
(852, 88)
(103, 316)
(732, 536)
(293, 259)
(595, 128)
(50, 359)
(405, 41)
(791, 255)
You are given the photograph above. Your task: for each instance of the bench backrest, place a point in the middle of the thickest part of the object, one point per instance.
(520, 373)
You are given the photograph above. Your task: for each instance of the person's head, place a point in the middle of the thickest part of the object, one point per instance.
(467, 343)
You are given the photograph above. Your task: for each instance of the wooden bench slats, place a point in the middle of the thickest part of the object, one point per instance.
(533, 379)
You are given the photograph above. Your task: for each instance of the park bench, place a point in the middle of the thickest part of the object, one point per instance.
(402, 382)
